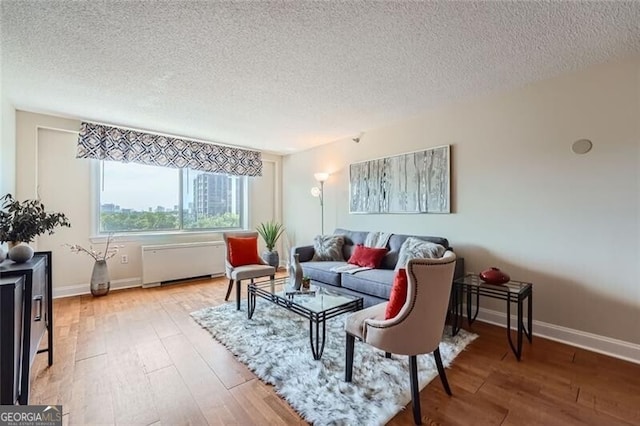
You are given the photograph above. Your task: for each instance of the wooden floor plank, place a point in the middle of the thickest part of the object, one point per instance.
(153, 355)
(227, 368)
(129, 385)
(216, 403)
(91, 401)
(255, 394)
(162, 323)
(173, 399)
(137, 357)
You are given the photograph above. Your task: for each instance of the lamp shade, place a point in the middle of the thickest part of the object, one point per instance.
(321, 176)
(315, 191)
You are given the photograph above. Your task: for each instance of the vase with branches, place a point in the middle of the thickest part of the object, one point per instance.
(100, 282)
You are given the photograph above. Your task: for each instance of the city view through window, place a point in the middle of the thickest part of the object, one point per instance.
(139, 198)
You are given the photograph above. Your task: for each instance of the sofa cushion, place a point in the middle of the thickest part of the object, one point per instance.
(351, 238)
(321, 271)
(376, 282)
(395, 243)
(305, 253)
(413, 248)
(367, 256)
(243, 251)
(328, 247)
(398, 294)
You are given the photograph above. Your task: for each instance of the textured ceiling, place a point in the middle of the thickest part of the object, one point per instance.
(286, 76)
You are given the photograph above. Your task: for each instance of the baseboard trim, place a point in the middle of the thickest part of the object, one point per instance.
(81, 289)
(593, 342)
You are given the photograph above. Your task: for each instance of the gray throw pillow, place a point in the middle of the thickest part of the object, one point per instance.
(414, 248)
(328, 247)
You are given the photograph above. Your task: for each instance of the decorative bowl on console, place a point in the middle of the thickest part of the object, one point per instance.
(494, 276)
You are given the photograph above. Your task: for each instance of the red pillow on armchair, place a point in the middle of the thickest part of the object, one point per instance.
(243, 251)
(398, 294)
(369, 257)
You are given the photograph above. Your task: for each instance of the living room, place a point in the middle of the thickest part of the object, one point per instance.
(521, 198)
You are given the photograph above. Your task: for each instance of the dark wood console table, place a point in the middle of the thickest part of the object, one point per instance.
(26, 313)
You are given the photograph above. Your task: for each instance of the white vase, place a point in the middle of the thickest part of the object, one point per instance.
(20, 252)
(100, 283)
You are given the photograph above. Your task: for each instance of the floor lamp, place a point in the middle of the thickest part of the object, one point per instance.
(319, 192)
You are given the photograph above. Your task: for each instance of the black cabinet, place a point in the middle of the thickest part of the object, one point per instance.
(11, 314)
(25, 316)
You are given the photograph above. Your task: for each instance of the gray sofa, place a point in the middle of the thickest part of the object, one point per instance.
(374, 285)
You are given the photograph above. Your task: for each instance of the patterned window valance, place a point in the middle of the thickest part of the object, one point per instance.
(116, 144)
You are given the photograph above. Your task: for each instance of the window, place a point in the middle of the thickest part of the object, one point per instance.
(211, 200)
(141, 198)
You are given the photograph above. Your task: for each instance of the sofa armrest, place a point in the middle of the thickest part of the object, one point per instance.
(459, 270)
(305, 253)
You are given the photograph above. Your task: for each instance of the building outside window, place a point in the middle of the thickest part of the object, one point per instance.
(215, 201)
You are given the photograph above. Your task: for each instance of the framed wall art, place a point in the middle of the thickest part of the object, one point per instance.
(415, 182)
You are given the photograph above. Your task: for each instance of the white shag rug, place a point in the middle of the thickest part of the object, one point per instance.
(274, 344)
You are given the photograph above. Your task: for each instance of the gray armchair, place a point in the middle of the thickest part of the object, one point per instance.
(418, 327)
(236, 274)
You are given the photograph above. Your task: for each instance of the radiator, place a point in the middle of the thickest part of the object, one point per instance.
(169, 262)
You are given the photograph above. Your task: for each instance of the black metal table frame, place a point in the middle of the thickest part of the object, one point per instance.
(317, 320)
(495, 292)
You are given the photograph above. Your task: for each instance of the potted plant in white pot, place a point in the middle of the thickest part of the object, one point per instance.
(22, 222)
(270, 233)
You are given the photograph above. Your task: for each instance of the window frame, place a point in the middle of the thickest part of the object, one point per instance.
(99, 234)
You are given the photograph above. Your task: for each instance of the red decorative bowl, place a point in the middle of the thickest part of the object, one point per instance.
(494, 276)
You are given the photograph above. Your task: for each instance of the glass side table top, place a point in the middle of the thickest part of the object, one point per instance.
(512, 286)
(315, 299)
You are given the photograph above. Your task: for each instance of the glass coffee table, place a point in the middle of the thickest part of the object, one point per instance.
(318, 304)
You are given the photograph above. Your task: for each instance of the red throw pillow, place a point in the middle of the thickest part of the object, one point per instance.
(367, 256)
(398, 294)
(243, 251)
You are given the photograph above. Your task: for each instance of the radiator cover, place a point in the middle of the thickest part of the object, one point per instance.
(169, 262)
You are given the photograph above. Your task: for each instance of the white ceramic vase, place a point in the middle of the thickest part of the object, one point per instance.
(20, 252)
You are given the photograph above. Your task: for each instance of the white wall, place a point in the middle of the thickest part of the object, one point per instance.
(521, 199)
(7, 147)
(47, 168)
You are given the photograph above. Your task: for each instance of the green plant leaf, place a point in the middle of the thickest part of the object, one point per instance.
(23, 221)
(270, 233)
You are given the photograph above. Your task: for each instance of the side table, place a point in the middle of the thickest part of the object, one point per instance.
(512, 292)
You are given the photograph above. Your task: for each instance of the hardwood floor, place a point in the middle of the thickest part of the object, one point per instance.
(137, 357)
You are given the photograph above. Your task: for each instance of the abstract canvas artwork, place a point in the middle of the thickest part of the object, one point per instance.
(415, 182)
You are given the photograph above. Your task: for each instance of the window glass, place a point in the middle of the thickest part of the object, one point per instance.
(212, 200)
(141, 198)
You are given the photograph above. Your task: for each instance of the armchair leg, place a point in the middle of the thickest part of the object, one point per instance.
(238, 294)
(387, 355)
(348, 367)
(229, 290)
(441, 373)
(415, 391)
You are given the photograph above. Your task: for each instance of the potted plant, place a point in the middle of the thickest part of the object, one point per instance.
(270, 233)
(22, 222)
(306, 282)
